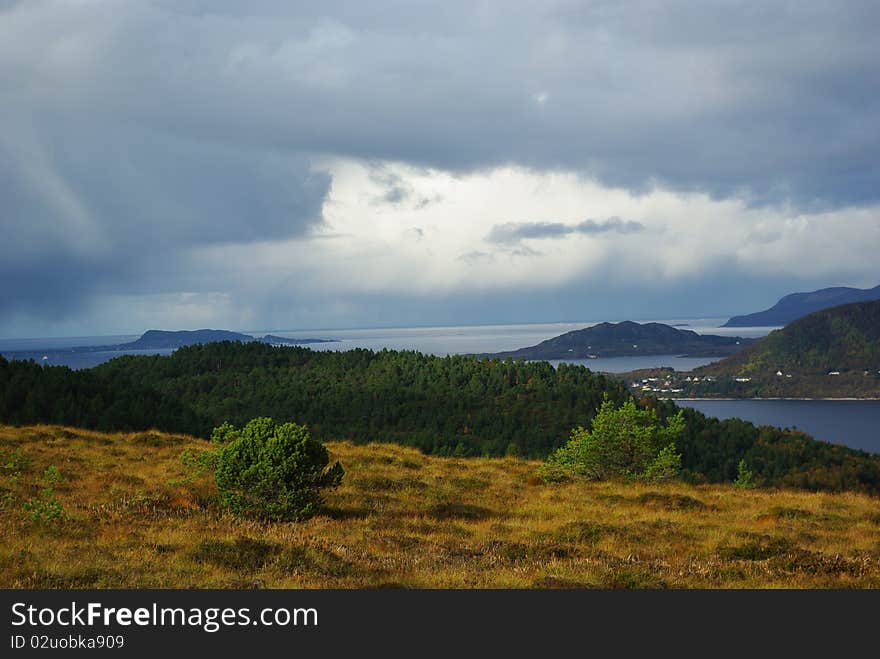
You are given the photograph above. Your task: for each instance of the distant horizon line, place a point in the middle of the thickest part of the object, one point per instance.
(361, 327)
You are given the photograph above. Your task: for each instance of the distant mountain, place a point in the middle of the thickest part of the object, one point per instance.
(155, 340)
(798, 305)
(162, 339)
(283, 340)
(629, 339)
(833, 352)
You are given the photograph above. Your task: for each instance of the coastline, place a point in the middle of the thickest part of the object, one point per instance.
(762, 398)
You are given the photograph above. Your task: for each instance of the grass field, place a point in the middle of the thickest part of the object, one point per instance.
(124, 512)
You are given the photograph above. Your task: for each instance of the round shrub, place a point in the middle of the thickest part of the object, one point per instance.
(270, 471)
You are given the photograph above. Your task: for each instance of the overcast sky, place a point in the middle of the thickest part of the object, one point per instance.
(270, 164)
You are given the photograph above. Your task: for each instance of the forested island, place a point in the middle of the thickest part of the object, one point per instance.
(628, 339)
(454, 405)
(164, 340)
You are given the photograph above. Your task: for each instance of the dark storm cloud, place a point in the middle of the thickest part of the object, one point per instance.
(111, 211)
(513, 232)
(132, 133)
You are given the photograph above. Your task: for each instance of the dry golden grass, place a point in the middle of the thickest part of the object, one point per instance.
(402, 519)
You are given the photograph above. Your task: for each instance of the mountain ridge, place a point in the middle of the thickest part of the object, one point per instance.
(797, 305)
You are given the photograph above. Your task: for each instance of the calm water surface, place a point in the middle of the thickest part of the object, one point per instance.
(855, 423)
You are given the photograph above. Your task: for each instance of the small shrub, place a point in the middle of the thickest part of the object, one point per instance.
(273, 472)
(51, 475)
(46, 508)
(744, 476)
(622, 442)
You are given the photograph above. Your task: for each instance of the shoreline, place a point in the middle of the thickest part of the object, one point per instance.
(761, 398)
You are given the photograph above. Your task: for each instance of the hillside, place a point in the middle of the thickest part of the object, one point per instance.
(835, 352)
(134, 517)
(798, 305)
(455, 406)
(628, 339)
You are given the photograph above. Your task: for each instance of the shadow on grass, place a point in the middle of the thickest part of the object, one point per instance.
(457, 510)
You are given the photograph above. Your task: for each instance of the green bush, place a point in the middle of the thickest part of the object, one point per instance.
(623, 442)
(270, 471)
(46, 508)
(745, 478)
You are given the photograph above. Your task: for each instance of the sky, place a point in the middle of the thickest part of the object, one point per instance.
(181, 164)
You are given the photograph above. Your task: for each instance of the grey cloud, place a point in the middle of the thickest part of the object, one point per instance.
(763, 236)
(424, 202)
(768, 100)
(513, 232)
(93, 212)
(396, 191)
(525, 251)
(131, 136)
(475, 256)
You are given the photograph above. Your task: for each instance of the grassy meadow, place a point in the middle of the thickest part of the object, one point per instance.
(81, 509)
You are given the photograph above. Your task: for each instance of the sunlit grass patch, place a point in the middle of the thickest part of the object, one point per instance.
(136, 516)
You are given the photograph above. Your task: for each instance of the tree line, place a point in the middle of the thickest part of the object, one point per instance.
(456, 405)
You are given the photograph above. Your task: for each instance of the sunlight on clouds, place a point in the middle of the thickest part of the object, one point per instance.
(434, 235)
(394, 229)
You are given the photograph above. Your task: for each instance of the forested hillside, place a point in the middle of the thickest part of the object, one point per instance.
(835, 352)
(441, 405)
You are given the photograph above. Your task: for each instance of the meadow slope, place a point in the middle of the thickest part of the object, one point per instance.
(135, 517)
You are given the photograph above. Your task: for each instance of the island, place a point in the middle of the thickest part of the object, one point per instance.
(627, 339)
(161, 340)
